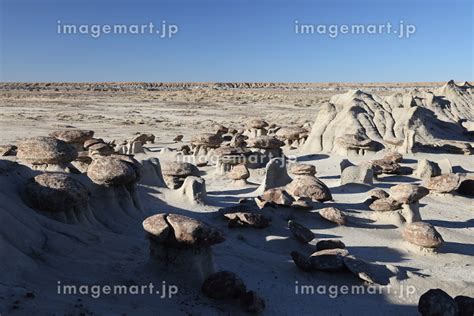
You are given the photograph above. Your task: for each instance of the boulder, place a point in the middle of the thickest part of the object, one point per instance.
(113, 170)
(300, 232)
(436, 302)
(56, 192)
(333, 214)
(422, 234)
(45, 150)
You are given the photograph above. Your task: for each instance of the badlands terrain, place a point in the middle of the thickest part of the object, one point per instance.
(242, 196)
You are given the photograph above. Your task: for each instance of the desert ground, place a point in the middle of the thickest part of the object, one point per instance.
(386, 169)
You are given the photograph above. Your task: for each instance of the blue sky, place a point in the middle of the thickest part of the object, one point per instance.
(236, 40)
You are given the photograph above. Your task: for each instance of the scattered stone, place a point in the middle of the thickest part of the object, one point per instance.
(408, 193)
(73, 136)
(384, 166)
(422, 234)
(385, 205)
(393, 156)
(333, 214)
(178, 138)
(330, 244)
(360, 268)
(444, 183)
(45, 150)
(329, 260)
(277, 197)
(301, 261)
(426, 169)
(309, 187)
(376, 194)
(302, 203)
(239, 219)
(437, 302)
(8, 150)
(239, 172)
(301, 233)
(223, 285)
(56, 192)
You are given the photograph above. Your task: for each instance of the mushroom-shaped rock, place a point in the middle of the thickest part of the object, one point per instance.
(256, 123)
(422, 234)
(189, 232)
(158, 228)
(301, 261)
(112, 170)
(182, 244)
(265, 142)
(385, 166)
(385, 205)
(73, 136)
(175, 172)
(436, 302)
(277, 197)
(292, 135)
(301, 233)
(300, 169)
(210, 140)
(330, 244)
(330, 260)
(310, 187)
(356, 143)
(100, 149)
(179, 169)
(444, 183)
(393, 156)
(223, 285)
(408, 193)
(92, 141)
(56, 192)
(360, 268)
(256, 220)
(45, 150)
(333, 214)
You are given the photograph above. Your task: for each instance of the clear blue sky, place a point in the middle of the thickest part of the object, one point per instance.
(236, 40)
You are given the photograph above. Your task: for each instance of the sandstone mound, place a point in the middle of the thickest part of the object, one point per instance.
(416, 121)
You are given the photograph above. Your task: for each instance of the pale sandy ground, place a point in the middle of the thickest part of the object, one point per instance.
(260, 257)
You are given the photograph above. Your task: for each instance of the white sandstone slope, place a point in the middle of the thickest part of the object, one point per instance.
(358, 122)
